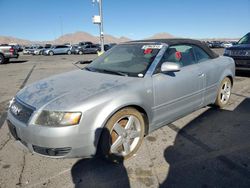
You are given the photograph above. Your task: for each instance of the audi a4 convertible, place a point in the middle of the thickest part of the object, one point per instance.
(126, 93)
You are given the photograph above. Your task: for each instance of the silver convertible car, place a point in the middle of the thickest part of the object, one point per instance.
(110, 105)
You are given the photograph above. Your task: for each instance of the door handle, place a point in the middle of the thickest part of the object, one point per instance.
(201, 75)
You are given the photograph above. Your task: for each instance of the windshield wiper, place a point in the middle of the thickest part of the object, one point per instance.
(112, 72)
(90, 69)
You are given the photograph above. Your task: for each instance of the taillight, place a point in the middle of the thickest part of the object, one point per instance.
(12, 50)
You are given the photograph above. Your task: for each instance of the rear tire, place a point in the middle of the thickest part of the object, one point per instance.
(224, 93)
(51, 53)
(69, 52)
(2, 59)
(80, 52)
(122, 135)
(7, 61)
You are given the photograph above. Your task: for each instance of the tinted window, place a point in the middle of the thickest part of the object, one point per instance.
(181, 54)
(245, 39)
(200, 54)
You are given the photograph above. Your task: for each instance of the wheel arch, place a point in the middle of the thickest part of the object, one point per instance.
(99, 133)
(231, 79)
(138, 108)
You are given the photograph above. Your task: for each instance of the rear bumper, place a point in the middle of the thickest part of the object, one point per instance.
(9, 56)
(56, 142)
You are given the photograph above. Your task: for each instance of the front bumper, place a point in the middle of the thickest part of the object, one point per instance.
(56, 142)
(242, 64)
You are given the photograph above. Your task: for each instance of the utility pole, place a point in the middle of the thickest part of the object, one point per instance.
(98, 19)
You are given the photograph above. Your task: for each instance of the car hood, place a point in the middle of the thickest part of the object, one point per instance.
(240, 47)
(69, 89)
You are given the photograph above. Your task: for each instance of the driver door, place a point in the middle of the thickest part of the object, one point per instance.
(177, 93)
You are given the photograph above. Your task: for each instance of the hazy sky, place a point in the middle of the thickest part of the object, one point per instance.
(48, 19)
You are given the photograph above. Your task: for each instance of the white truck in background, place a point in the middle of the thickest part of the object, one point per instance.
(7, 52)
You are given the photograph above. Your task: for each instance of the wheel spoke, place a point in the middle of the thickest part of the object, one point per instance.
(134, 134)
(126, 147)
(225, 86)
(226, 97)
(223, 98)
(116, 144)
(119, 129)
(130, 122)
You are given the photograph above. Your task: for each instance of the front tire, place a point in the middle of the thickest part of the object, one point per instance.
(51, 53)
(122, 135)
(224, 93)
(69, 52)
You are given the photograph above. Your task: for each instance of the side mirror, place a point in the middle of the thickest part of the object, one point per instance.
(170, 67)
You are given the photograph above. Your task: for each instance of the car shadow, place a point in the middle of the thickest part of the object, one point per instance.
(212, 150)
(18, 61)
(99, 172)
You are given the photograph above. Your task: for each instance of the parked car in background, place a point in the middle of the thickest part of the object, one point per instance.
(209, 44)
(74, 48)
(16, 46)
(226, 44)
(82, 44)
(240, 53)
(30, 49)
(26, 50)
(89, 49)
(58, 49)
(215, 44)
(46, 47)
(7, 52)
(108, 46)
(38, 50)
(111, 104)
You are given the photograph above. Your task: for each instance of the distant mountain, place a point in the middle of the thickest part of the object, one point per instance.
(83, 36)
(161, 36)
(72, 38)
(8, 40)
(77, 37)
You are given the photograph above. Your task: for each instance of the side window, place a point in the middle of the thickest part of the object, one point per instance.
(200, 54)
(182, 54)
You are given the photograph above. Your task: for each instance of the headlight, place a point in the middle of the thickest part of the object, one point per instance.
(57, 119)
(247, 52)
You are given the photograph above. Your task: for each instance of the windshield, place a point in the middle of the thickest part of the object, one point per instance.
(245, 39)
(126, 59)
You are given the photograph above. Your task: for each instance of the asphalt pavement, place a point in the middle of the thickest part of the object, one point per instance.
(208, 148)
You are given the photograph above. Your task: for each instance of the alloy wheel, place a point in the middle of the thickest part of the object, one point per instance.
(125, 135)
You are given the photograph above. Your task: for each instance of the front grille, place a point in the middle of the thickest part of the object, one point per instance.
(238, 53)
(21, 111)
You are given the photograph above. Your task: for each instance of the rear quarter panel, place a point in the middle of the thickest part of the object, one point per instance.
(216, 70)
